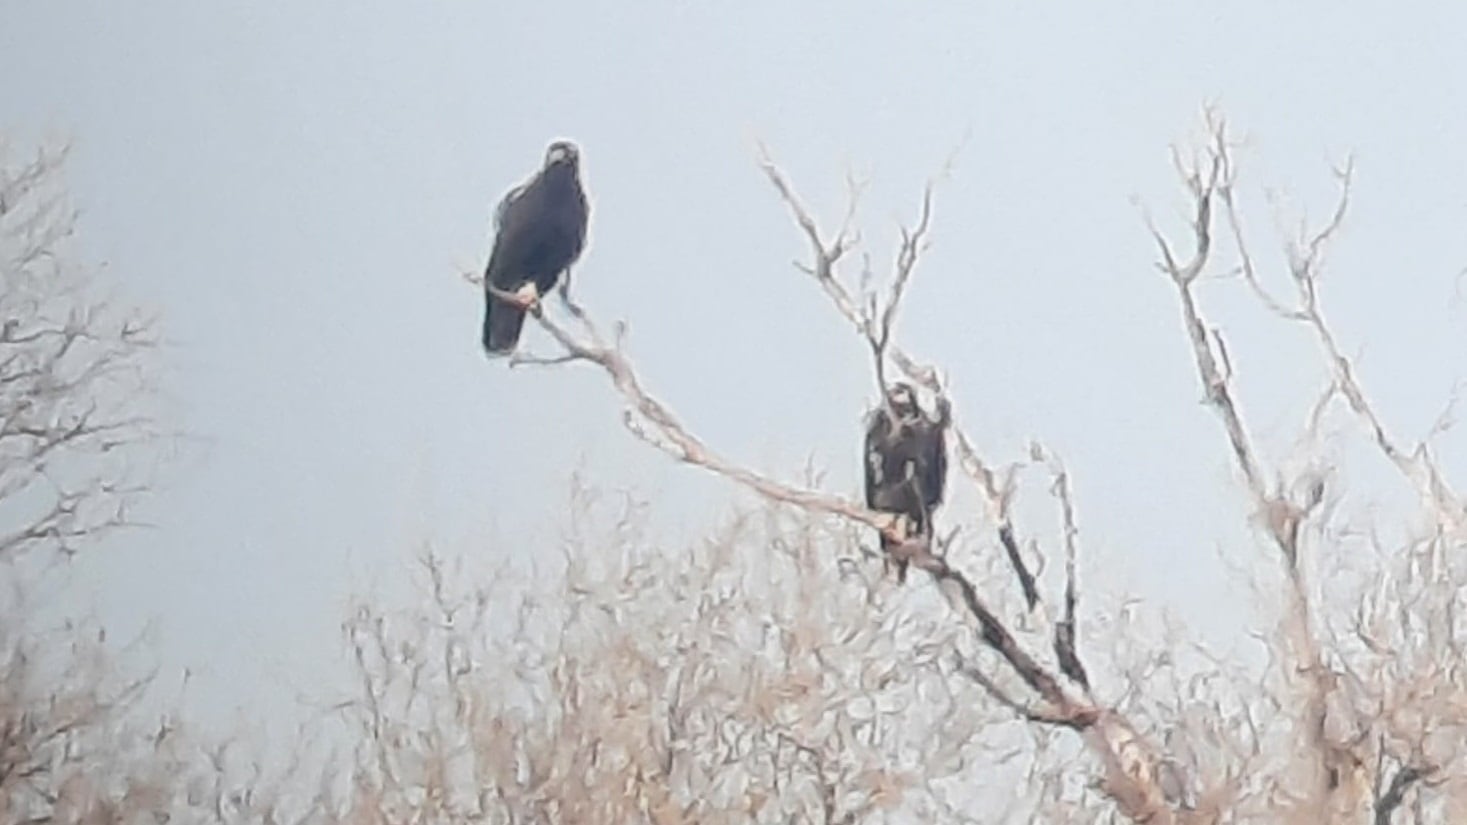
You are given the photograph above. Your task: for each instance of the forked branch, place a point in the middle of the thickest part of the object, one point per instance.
(874, 321)
(1306, 263)
(1279, 513)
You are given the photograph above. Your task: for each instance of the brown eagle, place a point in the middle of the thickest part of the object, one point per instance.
(906, 463)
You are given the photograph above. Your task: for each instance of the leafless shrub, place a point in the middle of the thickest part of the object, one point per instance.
(77, 745)
(759, 676)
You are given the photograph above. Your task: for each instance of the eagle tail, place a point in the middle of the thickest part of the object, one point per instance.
(502, 324)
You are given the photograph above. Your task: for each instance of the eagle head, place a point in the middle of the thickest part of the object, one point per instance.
(562, 151)
(903, 400)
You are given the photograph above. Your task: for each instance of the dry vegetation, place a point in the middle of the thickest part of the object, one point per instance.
(78, 439)
(771, 673)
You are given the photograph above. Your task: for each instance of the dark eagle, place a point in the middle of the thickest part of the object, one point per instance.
(540, 230)
(906, 464)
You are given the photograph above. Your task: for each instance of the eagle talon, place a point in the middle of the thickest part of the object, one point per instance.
(527, 298)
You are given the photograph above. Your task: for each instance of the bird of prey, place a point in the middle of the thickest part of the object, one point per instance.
(540, 230)
(906, 464)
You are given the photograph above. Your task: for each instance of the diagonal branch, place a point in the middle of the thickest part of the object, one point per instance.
(998, 694)
(1405, 777)
(651, 421)
(1416, 465)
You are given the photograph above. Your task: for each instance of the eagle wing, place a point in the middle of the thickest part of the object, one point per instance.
(876, 446)
(933, 468)
(512, 219)
(510, 198)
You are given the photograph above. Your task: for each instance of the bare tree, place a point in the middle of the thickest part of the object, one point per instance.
(1052, 694)
(1366, 674)
(1224, 746)
(75, 373)
(77, 434)
(770, 672)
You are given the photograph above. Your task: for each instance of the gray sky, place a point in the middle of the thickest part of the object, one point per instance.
(296, 187)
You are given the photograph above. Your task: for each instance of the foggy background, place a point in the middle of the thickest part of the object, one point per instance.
(296, 188)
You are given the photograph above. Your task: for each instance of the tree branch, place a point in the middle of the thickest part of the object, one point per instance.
(1278, 514)
(1406, 776)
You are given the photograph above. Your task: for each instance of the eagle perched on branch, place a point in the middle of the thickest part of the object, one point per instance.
(906, 464)
(540, 230)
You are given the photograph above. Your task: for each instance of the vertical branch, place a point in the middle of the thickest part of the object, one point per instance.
(1280, 516)
(1065, 649)
(1215, 379)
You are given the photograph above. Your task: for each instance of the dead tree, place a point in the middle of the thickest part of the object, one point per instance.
(1377, 699)
(1366, 711)
(1052, 693)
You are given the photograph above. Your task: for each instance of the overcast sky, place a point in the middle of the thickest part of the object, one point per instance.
(297, 186)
